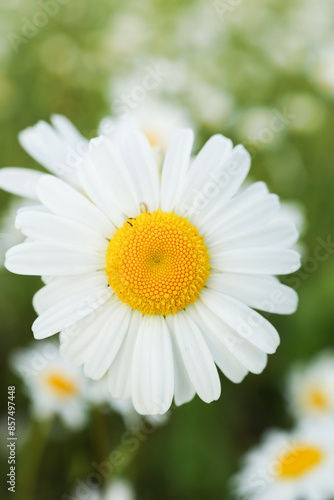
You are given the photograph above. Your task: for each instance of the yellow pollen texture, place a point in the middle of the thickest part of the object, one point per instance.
(61, 385)
(299, 461)
(157, 263)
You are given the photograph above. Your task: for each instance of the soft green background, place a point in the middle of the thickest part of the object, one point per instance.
(259, 54)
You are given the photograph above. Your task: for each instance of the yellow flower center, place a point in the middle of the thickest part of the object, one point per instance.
(157, 263)
(61, 385)
(318, 400)
(299, 461)
(153, 137)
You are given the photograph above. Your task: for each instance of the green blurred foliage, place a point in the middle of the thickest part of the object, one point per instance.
(262, 55)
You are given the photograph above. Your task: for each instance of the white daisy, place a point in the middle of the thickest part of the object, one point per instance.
(290, 466)
(120, 489)
(310, 388)
(54, 387)
(153, 278)
(322, 69)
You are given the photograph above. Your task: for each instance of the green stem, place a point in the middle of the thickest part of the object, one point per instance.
(30, 457)
(126, 452)
(100, 435)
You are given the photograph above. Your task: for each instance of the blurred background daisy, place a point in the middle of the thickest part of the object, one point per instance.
(290, 465)
(260, 72)
(120, 489)
(310, 388)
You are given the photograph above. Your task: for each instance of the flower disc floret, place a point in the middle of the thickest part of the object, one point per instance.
(157, 263)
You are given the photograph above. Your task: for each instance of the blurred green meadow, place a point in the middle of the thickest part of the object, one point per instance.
(260, 72)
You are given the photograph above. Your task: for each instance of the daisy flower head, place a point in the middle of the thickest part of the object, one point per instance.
(290, 466)
(151, 277)
(120, 489)
(310, 388)
(53, 386)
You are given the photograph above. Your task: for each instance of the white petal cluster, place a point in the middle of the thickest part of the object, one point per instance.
(151, 358)
(54, 387)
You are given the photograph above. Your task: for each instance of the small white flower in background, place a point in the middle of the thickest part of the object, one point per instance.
(156, 118)
(127, 34)
(261, 127)
(310, 388)
(311, 20)
(322, 69)
(212, 107)
(308, 112)
(290, 466)
(53, 386)
(120, 489)
(153, 277)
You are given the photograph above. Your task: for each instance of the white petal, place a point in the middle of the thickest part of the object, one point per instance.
(62, 199)
(37, 145)
(20, 181)
(184, 390)
(43, 226)
(62, 288)
(174, 168)
(221, 336)
(33, 208)
(70, 310)
(247, 211)
(277, 233)
(261, 292)
(76, 340)
(69, 132)
(213, 154)
(43, 144)
(108, 183)
(56, 259)
(227, 362)
(216, 174)
(153, 370)
(245, 321)
(256, 260)
(52, 150)
(197, 357)
(120, 372)
(140, 161)
(223, 210)
(108, 341)
(225, 181)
